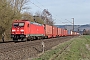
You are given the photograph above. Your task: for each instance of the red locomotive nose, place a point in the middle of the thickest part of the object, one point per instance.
(17, 28)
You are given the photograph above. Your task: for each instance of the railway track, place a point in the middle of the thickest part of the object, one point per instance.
(24, 50)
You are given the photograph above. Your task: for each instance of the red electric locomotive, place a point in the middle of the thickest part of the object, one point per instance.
(26, 30)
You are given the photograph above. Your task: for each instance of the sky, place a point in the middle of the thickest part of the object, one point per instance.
(64, 10)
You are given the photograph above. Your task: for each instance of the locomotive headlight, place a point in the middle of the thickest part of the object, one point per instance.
(13, 30)
(22, 30)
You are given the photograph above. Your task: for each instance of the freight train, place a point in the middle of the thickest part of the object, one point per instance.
(26, 30)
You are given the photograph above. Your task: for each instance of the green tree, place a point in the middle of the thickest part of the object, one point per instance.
(7, 15)
(27, 16)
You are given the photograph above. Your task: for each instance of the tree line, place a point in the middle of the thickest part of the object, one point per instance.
(86, 32)
(16, 10)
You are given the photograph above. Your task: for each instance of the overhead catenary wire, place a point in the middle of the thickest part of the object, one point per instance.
(36, 5)
(40, 3)
(43, 9)
(68, 21)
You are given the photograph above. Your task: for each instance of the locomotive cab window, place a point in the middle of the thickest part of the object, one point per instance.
(15, 24)
(21, 24)
(18, 24)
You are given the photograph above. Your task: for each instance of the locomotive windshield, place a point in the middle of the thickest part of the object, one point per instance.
(21, 24)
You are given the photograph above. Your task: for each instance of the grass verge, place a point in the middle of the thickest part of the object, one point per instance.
(79, 49)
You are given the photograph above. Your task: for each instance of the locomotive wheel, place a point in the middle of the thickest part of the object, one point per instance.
(46, 37)
(28, 39)
(39, 38)
(31, 39)
(24, 39)
(15, 40)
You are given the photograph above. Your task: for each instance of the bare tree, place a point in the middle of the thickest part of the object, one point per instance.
(38, 18)
(47, 17)
(18, 5)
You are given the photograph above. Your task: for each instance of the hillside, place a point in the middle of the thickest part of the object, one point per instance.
(78, 28)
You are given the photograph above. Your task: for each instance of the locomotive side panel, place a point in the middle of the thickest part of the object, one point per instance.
(36, 30)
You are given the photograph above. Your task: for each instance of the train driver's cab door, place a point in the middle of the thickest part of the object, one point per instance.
(28, 28)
